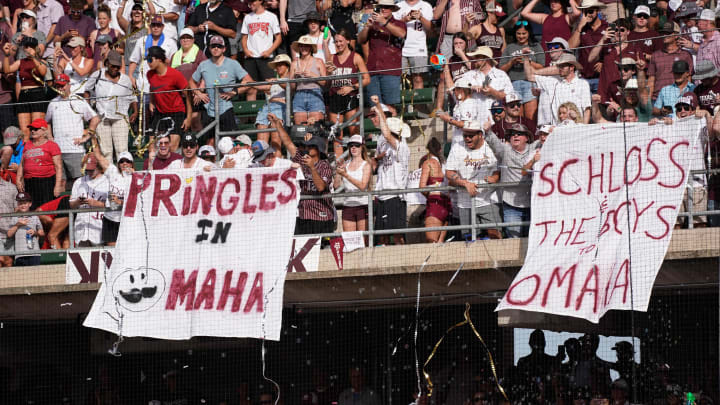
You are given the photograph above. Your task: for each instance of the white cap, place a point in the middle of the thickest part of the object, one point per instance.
(244, 139)
(225, 145)
(356, 139)
(512, 97)
(206, 149)
(707, 15)
(472, 126)
(463, 83)
(29, 13)
(125, 155)
(398, 127)
(561, 41)
(544, 128)
(642, 10)
(186, 31)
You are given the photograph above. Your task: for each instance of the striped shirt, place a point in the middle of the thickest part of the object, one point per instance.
(466, 7)
(320, 209)
(710, 50)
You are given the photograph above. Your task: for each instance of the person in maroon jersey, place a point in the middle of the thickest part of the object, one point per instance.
(167, 103)
(161, 155)
(708, 92)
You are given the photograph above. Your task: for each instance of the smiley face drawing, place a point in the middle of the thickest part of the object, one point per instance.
(138, 289)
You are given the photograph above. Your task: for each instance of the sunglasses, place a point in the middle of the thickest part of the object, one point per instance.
(157, 25)
(469, 134)
(590, 11)
(623, 29)
(75, 12)
(683, 107)
(515, 104)
(515, 133)
(645, 16)
(523, 23)
(189, 146)
(554, 46)
(496, 111)
(354, 145)
(216, 46)
(627, 68)
(121, 161)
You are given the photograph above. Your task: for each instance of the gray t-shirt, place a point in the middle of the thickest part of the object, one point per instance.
(517, 72)
(22, 241)
(511, 162)
(298, 10)
(40, 36)
(229, 72)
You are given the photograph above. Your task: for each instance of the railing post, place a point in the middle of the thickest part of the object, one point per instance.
(217, 121)
(71, 229)
(371, 222)
(473, 231)
(288, 104)
(689, 203)
(361, 106)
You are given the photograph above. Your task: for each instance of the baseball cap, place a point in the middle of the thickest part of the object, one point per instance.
(688, 98)
(29, 13)
(114, 58)
(157, 19)
(137, 5)
(76, 41)
(103, 39)
(706, 15)
(11, 135)
(38, 123)
(680, 66)
(187, 32)
(472, 126)
(217, 40)
(384, 108)
(686, 9)
(261, 150)
(244, 139)
(356, 139)
(623, 346)
(544, 129)
(125, 156)
(188, 140)
(669, 27)
(62, 79)
(206, 151)
(561, 41)
(512, 97)
(398, 127)
(497, 104)
(519, 129)
(91, 163)
(22, 196)
(642, 9)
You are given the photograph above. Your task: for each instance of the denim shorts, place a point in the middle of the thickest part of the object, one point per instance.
(308, 101)
(524, 89)
(278, 109)
(387, 87)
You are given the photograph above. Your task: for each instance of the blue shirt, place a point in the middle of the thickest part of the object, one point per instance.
(228, 72)
(669, 95)
(17, 153)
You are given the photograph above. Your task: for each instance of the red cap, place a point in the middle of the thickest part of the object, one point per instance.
(38, 123)
(157, 19)
(62, 79)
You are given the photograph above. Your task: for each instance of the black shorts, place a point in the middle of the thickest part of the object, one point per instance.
(177, 119)
(391, 214)
(41, 189)
(110, 230)
(337, 103)
(32, 101)
(227, 120)
(258, 69)
(312, 227)
(64, 204)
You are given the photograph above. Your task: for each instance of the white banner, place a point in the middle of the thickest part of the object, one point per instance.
(87, 266)
(200, 254)
(580, 256)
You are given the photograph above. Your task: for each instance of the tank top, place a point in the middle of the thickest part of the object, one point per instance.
(346, 68)
(554, 27)
(435, 180)
(97, 56)
(26, 73)
(77, 82)
(492, 40)
(349, 187)
(457, 67)
(314, 69)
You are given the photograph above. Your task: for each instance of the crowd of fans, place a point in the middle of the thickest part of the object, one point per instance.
(77, 78)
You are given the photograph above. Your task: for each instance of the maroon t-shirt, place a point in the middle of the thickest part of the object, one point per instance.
(161, 164)
(457, 67)
(707, 96)
(386, 49)
(84, 26)
(610, 70)
(649, 45)
(589, 38)
(501, 126)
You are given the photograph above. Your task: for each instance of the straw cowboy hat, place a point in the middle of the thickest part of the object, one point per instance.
(304, 40)
(388, 3)
(280, 58)
(567, 58)
(591, 4)
(482, 51)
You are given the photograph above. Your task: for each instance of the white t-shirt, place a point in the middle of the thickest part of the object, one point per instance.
(261, 30)
(414, 182)
(474, 165)
(243, 158)
(67, 117)
(118, 184)
(466, 110)
(198, 164)
(497, 79)
(415, 39)
(161, 7)
(556, 91)
(392, 171)
(138, 56)
(319, 42)
(88, 225)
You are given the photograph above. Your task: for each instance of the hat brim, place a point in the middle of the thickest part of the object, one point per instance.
(296, 46)
(714, 73)
(263, 155)
(273, 65)
(393, 6)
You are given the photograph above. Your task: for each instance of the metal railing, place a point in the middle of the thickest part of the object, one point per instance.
(371, 232)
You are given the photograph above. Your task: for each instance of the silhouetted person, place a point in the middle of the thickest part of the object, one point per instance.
(535, 371)
(624, 367)
(358, 394)
(592, 372)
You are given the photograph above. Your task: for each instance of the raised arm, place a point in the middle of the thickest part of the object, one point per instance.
(284, 137)
(526, 13)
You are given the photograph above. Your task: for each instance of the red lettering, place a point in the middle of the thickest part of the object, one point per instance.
(512, 301)
(256, 295)
(559, 178)
(266, 190)
(615, 217)
(204, 193)
(638, 214)
(624, 269)
(137, 186)
(547, 180)
(606, 225)
(207, 291)
(593, 274)
(232, 200)
(610, 175)
(563, 231)
(248, 208)
(545, 224)
(160, 195)
(649, 159)
(228, 291)
(181, 289)
(186, 201)
(287, 177)
(580, 231)
(676, 164)
(639, 165)
(560, 280)
(664, 221)
(592, 176)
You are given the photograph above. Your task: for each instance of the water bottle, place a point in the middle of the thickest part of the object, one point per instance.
(28, 239)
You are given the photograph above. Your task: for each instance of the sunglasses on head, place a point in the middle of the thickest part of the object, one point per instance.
(554, 46)
(497, 110)
(645, 16)
(683, 107)
(523, 23)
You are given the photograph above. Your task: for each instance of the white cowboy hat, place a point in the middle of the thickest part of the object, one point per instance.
(304, 40)
(398, 127)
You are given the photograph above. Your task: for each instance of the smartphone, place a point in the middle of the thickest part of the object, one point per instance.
(486, 82)
(376, 9)
(612, 26)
